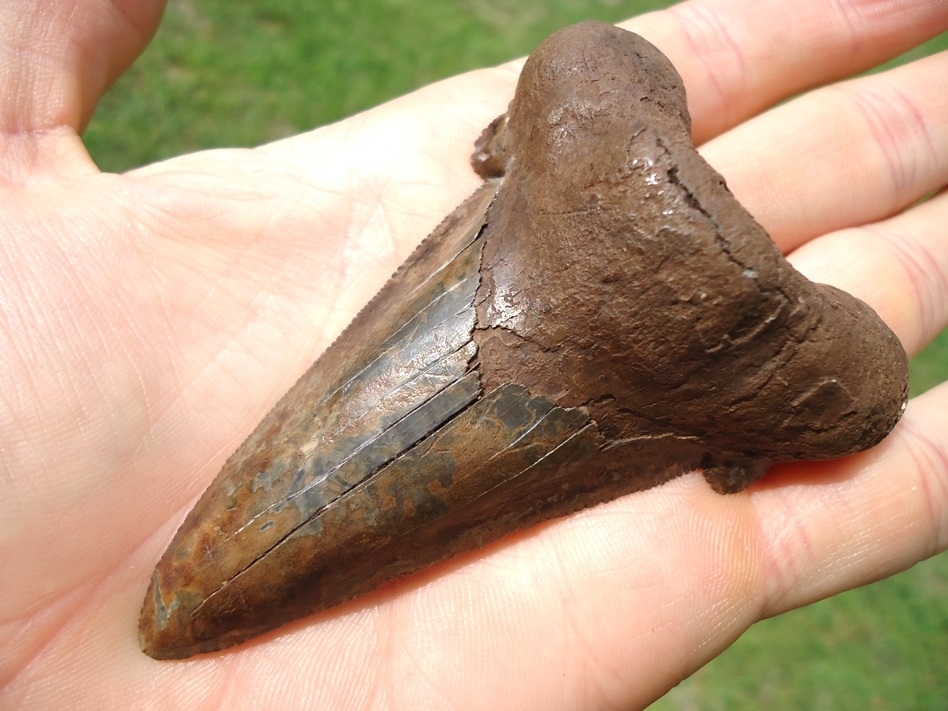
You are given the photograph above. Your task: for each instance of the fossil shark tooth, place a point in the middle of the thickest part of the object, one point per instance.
(599, 317)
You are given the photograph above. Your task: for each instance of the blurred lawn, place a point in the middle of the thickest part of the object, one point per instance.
(221, 73)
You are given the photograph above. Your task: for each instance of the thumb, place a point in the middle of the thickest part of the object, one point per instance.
(57, 58)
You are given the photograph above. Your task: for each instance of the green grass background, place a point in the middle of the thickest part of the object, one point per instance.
(221, 73)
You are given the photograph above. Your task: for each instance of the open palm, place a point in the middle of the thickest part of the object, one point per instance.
(149, 320)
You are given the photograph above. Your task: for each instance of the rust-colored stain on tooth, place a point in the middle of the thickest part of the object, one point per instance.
(600, 316)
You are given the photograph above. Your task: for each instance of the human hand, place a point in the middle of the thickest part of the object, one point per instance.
(151, 319)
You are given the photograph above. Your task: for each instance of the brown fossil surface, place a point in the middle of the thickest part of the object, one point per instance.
(600, 316)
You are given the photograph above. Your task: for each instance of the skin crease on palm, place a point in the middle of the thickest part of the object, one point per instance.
(149, 320)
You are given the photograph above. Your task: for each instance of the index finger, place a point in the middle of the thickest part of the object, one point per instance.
(737, 57)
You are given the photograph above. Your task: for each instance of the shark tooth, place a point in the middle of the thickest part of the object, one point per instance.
(599, 317)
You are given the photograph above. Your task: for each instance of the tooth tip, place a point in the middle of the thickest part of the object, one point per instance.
(164, 627)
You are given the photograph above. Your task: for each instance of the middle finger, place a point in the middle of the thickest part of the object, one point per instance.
(841, 156)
